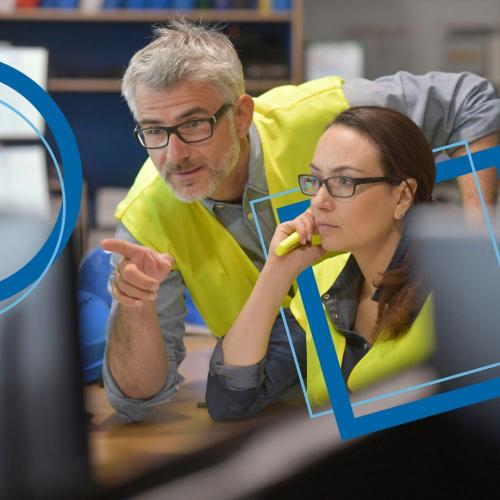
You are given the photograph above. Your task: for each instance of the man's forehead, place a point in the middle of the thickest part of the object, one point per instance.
(182, 94)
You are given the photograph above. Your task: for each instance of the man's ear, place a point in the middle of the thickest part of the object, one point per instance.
(407, 191)
(243, 114)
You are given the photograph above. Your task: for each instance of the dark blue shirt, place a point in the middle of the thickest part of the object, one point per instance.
(341, 304)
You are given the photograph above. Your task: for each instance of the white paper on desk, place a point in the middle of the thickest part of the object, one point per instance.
(345, 59)
(23, 181)
(32, 61)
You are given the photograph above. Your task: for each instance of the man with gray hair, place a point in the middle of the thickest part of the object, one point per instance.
(187, 220)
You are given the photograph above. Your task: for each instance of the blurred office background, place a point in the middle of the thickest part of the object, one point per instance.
(442, 35)
(88, 43)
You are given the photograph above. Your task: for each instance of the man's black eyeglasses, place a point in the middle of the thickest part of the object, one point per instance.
(339, 186)
(190, 131)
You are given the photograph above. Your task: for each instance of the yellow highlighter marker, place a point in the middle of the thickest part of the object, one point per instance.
(292, 242)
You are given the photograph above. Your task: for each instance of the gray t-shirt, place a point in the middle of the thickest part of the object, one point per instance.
(449, 107)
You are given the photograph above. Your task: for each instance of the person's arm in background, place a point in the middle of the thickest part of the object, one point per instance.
(449, 107)
(145, 341)
(488, 178)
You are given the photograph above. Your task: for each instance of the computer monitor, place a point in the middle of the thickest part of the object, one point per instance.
(462, 267)
(44, 450)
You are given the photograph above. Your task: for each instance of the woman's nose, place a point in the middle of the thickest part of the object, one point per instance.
(322, 200)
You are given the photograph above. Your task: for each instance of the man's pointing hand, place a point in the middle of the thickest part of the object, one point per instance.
(139, 272)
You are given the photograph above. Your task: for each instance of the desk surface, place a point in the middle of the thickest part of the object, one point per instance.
(120, 452)
(123, 452)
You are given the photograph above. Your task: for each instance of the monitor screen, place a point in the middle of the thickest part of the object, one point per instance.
(42, 419)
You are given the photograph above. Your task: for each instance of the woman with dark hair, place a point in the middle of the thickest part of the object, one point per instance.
(369, 168)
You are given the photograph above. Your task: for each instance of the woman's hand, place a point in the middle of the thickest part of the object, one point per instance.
(274, 282)
(302, 256)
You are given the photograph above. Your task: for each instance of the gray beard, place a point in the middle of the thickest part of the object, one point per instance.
(217, 176)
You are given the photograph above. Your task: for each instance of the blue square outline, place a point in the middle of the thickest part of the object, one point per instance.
(350, 426)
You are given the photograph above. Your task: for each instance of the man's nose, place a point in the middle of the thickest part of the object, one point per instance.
(177, 150)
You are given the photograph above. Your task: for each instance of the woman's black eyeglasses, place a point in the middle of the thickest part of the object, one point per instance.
(339, 186)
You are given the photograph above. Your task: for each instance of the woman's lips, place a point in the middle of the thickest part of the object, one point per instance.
(325, 227)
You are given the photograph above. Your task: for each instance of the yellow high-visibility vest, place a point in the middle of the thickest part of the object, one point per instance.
(217, 272)
(385, 358)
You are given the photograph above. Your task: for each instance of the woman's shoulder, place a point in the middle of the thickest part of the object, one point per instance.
(327, 271)
(325, 274)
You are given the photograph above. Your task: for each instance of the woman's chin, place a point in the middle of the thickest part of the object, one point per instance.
(333, 247)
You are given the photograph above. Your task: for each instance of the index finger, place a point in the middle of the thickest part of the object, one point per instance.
(124, 248)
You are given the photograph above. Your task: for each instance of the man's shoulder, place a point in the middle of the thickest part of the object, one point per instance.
(283, 97)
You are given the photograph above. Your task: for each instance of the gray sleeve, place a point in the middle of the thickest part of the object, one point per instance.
(237, 378)
(171, 312)
(240, 391)
(448, 107)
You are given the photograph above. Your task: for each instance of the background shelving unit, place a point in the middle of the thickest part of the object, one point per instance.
(88, 52)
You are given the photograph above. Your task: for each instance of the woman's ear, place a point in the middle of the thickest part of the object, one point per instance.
(243, 114)
(407, 190)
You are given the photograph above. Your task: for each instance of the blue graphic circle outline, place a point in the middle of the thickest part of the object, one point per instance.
(63, 210)
(32, 272)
